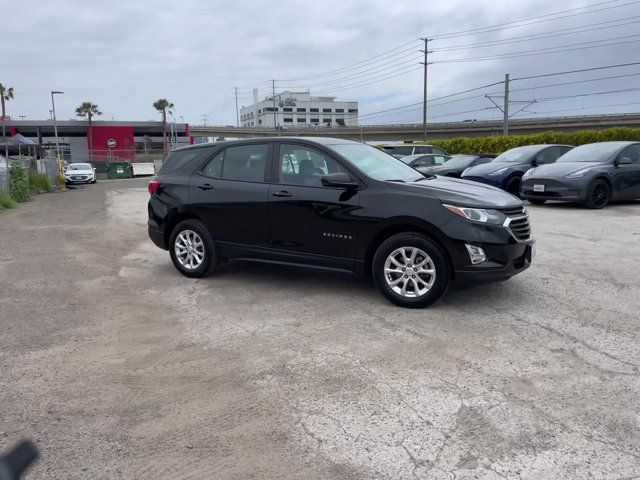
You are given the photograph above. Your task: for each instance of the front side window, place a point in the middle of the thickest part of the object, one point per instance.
(632, 153)
(243, 162)
(550, 155)
(300, 165)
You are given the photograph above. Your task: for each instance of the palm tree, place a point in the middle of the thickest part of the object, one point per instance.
(6, 94)
(88, 110)
(161, 106)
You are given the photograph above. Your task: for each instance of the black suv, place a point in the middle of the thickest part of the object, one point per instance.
(338, 205)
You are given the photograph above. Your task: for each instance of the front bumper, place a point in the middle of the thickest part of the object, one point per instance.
(566, 189)
(507, 254)
(79, 178)
(518, 258)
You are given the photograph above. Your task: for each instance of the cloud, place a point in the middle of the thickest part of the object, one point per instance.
(125, 55)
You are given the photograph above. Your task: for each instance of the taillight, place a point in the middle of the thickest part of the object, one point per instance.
(153, 186)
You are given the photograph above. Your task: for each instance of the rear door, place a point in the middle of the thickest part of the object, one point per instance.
(230, 195)
(305, 217)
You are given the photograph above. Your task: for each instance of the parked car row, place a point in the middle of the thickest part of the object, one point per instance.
(592, 174)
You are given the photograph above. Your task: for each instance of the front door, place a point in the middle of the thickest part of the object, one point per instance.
(306, 219)
(626, 177)
(230, 194)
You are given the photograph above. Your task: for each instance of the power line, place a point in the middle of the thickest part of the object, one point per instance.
(365, 73)
(543, 35)
(537, 87)
(592, 69)
(583, 108)
(563, 97)
(347, 67)
(348, 87)
(539, 19)
(545, 51)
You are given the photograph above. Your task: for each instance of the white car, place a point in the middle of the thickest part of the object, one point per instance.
(79, 173)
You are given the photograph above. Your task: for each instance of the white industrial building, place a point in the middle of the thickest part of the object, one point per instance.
(299, 109)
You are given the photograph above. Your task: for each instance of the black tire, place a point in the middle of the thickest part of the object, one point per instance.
(514, 187)
(210, 259)
(438, 261)
(598, 194)
(536, 201)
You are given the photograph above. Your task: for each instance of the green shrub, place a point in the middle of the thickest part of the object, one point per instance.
(19, 188)
(39, 183)
(6, 201)
(497, 145)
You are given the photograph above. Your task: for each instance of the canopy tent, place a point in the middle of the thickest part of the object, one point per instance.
(19, 139)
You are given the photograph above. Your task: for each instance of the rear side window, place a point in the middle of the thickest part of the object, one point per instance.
(179, 159)
(245, 163)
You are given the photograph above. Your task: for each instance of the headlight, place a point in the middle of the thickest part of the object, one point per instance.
(500, 171)
(528, 173)
(578, 173)
(477, 214)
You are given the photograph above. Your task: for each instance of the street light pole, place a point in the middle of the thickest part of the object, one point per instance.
(55, 122)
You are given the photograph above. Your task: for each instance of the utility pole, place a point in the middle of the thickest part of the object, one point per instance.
(505, 109)
(55, 132)
(204, 119)
(424, 95)
(237, 117)
(275, 116)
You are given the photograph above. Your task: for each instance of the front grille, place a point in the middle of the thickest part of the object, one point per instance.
(518, 223)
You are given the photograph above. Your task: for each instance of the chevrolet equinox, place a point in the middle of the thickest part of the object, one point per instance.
(337, 205)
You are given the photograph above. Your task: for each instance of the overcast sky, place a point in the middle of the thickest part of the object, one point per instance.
(125, 55)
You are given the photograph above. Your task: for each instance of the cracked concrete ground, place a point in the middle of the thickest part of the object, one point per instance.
(121, 368)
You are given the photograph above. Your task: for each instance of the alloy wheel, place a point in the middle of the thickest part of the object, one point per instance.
(409, 272)
(600, 194)
(189, 249)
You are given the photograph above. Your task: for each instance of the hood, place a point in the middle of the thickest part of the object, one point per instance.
(560, 169)
(78, 172)
(487, 168)
(461, 192)
(437, 169)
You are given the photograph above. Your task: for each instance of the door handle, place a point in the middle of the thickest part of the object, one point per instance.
(206, 186)
(283, 193)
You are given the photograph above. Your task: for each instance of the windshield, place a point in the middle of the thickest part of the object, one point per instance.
(594, 152)
(79, 166)
(518, 155)
(460, 161)
(377, 164)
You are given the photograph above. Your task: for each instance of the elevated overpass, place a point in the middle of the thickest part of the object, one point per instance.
(434, 131)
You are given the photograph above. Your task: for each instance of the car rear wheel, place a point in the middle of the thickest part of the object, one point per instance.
(537, 201)
(410, 270)
(192, 250)
(598, 194)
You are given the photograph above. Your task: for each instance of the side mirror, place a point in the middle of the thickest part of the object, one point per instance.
(624, 161)
(338, 180)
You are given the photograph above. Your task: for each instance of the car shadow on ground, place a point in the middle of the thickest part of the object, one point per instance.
(574, 205)
(303, 281)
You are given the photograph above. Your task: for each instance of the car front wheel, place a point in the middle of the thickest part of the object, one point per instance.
(598, 194)
(192, 250)
(410, 270)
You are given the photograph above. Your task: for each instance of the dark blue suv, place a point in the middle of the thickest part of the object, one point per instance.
(506, 170)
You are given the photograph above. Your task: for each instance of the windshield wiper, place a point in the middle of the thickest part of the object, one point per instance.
(395, 180)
